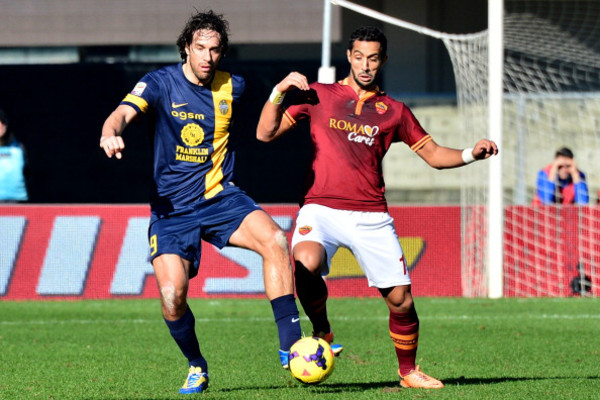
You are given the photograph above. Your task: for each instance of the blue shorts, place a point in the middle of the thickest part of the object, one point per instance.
(214, 221)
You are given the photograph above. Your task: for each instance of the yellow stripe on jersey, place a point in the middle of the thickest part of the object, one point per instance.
(421, 143)
(222, 88)
(289, 118)
(138, 101)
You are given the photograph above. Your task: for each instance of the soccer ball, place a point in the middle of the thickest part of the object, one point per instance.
(311, 360)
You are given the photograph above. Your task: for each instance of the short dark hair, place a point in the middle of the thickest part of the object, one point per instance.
(369, 34)
(565, 152)
(204, 20)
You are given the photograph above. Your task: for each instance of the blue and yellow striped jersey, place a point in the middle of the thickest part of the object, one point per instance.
(193, 161)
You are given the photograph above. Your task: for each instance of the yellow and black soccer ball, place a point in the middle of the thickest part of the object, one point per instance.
(311, 360)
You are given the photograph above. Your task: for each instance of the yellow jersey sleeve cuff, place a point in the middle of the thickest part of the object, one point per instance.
(417, 146)
(140, 103)
(289, 118)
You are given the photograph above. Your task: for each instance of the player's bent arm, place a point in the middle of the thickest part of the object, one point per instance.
(271, 124)
(111, 141)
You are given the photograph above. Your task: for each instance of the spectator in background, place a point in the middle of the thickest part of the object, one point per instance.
(12, 165)
(561, 182)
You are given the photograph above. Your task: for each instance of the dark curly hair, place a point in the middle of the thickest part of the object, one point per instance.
(369, 34)
(203, 20)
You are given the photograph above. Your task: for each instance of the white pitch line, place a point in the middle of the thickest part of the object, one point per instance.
(338, 318)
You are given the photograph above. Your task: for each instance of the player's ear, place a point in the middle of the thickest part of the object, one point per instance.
(383, 60)
(348, 54)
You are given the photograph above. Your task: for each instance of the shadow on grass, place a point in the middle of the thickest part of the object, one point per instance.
(392, 386)
(487, 381)
(323, 388)
(386, 386)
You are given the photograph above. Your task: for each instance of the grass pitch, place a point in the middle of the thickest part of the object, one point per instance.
(121, 349)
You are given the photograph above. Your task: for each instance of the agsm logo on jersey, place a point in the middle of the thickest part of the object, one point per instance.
(358, 133)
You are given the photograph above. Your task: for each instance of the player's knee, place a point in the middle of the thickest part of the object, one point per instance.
(406, 305)
(272, 246)
(399, 299)
(281, 241)
(173, 303)
(276, 247)
(307, 266)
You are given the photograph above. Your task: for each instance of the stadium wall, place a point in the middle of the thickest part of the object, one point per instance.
(100, 252)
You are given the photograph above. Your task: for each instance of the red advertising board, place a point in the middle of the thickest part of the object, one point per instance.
(100, 251)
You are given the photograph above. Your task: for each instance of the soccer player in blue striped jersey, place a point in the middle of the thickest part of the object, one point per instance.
(194, 197)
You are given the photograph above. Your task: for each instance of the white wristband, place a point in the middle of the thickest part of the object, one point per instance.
(467, 156)
(276, 96)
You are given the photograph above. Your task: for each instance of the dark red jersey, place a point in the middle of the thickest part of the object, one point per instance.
(350, 136)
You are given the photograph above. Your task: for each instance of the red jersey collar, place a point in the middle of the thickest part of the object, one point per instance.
(366, 95)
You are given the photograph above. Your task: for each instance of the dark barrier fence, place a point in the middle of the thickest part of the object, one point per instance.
(57, 111)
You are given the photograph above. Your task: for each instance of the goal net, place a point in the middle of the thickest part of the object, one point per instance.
(551, 99)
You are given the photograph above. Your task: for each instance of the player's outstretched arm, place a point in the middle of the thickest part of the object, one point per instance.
(111, 141)
(441, 157)
(270, 124)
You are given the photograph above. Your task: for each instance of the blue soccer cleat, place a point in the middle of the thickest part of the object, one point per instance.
(335, 347)
(284, 357)
(196, 382)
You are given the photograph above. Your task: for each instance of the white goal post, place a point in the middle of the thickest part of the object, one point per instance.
(495, 214)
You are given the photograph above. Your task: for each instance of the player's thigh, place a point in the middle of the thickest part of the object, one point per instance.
(379, 253)
(176, 236)
(258, 232)
(329, 228)
(172, 274)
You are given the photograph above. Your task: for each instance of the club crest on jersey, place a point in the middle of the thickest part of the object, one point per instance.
(139, 89)
(303, 230)
(223, 107)
(381, 107)
(192, 135)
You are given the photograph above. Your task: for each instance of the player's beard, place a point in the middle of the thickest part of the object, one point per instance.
(203, 77)
(365, 86)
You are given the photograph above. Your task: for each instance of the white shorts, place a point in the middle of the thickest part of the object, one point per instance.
(370, 236)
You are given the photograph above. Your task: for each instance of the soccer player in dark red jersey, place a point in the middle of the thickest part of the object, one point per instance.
(352, 125)
(194, 196)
